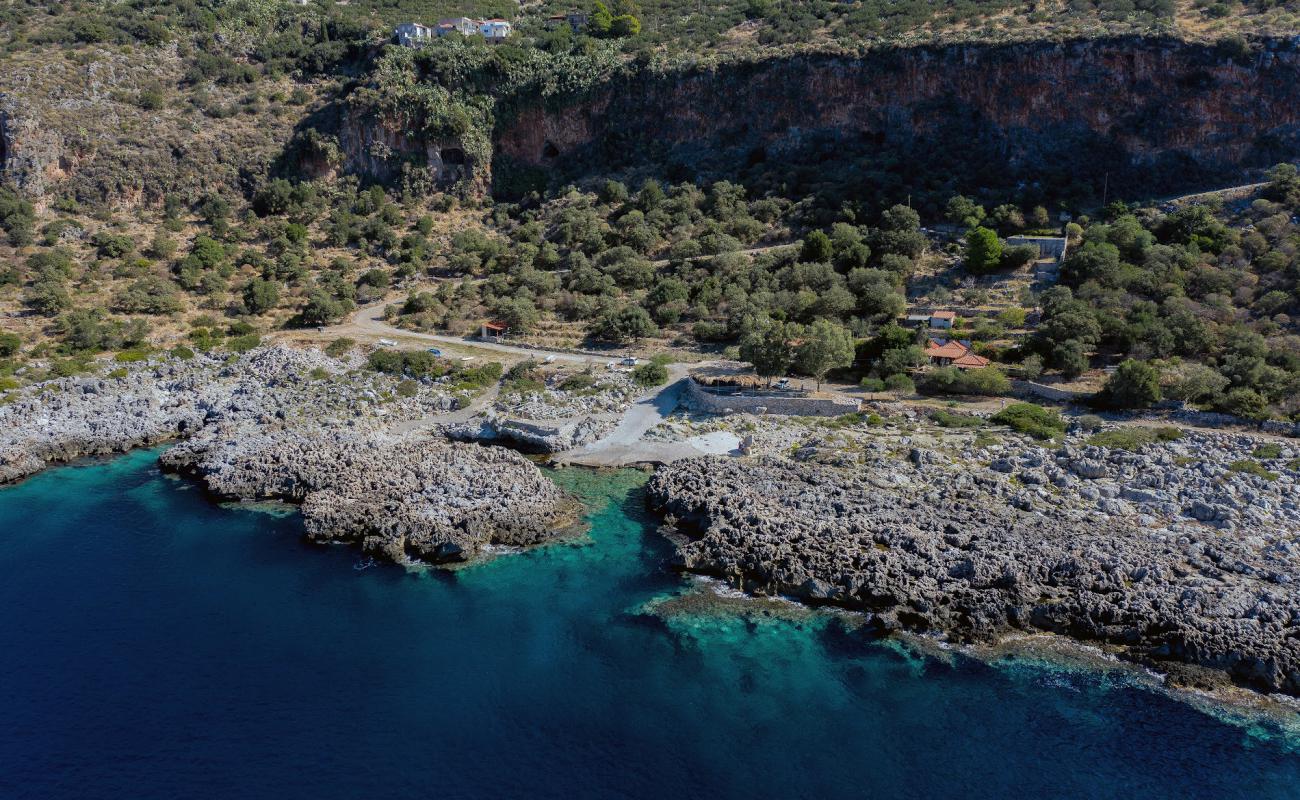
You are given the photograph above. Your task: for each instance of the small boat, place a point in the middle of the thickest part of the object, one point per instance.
(365, 564)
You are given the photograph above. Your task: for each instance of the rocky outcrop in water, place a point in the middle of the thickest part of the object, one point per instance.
(925, 555)
(298, 426)
(402, 496)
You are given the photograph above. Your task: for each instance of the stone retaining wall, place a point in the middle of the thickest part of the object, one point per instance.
(1046, 392)
(697, 399)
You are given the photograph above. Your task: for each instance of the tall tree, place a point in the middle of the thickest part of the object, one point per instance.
(769, 350)
(826, 346)
(983, 251)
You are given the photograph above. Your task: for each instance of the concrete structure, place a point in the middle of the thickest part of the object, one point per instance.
(930, 319)
(1053, 247)
(577, 20)
(411, 34)
(462, 25)
(718, 401)
(495, 30)
(943, 319)
(493, 330)
(1041, 390)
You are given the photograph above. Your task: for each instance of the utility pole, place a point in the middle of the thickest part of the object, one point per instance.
(1105, 189)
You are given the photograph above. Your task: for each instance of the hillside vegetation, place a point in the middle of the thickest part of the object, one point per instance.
(197, 174)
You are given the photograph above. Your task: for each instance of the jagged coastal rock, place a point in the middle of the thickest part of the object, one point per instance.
(76, 417)
(923, 554)
(403, 496)
(296, 425)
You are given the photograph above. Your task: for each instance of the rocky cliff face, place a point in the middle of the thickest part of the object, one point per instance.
(1137, 108)
(1145, 115)
(74, 128)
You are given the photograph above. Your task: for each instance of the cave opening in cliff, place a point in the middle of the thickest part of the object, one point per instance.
(452, 155)
(549, 150)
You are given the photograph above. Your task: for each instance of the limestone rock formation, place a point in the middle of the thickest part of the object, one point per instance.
(973, 567)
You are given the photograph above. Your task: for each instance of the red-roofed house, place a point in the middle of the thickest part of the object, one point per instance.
(493, 330)
(952, 353)
(970, 361)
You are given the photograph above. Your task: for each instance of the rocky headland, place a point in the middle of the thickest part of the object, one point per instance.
(299, 426)
(1170, 555)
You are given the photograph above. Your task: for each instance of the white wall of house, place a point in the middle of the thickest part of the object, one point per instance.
(410, 33)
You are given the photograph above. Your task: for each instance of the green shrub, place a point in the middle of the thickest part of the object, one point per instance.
(949, 420)
(68, 367)
(477, 377)
(1134, 438)
(950, 380)
(182, 352)
(242, 344)
(339, 347)
(1248, 467)
(8, 383)
(1038, 422)
(411, 363)
(652, 374)
(523, 378)
(872, 384)
(900, 383)
(578, 382)
(1268, 451)
(10, 344)
(120, 372)
(318, 373)
(408, 388)
(131, 356)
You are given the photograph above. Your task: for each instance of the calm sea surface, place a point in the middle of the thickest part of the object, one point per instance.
(154, 645)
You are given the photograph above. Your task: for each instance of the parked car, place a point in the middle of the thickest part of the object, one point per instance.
(628, 362)
(548, 360)
(433, 351)
(782, 384)
(387, 343)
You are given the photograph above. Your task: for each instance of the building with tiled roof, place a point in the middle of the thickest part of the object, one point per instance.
(953, 353)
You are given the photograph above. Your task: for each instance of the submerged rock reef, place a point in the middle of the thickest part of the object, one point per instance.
(298, 426)
(924, 554)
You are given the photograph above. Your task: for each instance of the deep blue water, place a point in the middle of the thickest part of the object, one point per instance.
(155, 645)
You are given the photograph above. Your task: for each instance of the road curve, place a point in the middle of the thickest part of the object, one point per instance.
(369, 320)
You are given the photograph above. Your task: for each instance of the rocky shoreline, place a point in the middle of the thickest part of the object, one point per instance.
(299, 426)
(930, 550)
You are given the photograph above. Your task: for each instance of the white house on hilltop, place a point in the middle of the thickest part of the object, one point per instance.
(410, 34)
(462, 25)
(413, 34)
(495, 30)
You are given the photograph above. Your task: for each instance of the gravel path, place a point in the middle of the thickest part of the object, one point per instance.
(368, 321)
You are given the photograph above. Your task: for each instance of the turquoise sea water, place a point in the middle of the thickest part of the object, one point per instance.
(154, 645)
